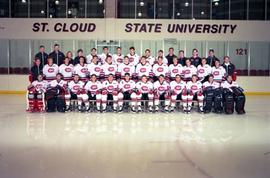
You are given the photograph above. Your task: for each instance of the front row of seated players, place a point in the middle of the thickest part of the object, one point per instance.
(100, 95)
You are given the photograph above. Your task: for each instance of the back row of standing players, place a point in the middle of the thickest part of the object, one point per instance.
(134, 78)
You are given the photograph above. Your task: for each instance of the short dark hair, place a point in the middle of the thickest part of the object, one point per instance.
(211, 50)
(105, 47)
(41, 46)
(79, 50)
(56, 44)
(131, 48)
(181, 51)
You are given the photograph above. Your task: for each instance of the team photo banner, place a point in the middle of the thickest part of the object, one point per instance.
(133, 29)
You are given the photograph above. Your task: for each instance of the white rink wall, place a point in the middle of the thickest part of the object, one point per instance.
(18, 83)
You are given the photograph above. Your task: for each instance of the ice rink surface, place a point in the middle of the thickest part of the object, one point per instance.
(126, 145)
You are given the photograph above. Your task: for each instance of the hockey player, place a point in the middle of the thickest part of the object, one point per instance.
(194, 89)
(203, 71)
(127, 92)
(109, 67)
(81, 70)
(75, 91)
(218, 71)
(93, 89)
(94, 68)
(182, 58)
(144, 68)
(233, 93)
(50, 70)
(56, 94)
(66, 69)
(145, 91)
(118, 58)
(170, 56)
(35, 95)
(160, 69)
(109, 92)
(57, 55)
(161, 92)
(150, 59)
(189, 70)
(195, 59)
(175, 69)
(161, 54)
(212, 93)
(126, 67)
(178, 92)
(90, 56)
(104, 55)
(133, 57)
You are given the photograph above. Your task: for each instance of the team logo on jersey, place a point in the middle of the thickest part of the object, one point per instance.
(216, 73)
(126, 69)
(93, 87)
(201, 71)
(142, 70)
(127, 86)
(175, 71)
(160, 69)
(111, 69)
(110, 87)
(97, 69)
(144, 88)
(84, 70)
(161, 88)
(131, 59)
(38, 86)
(76, 87)
(187, 71)
(68, 69)
(177, 87)
(119, 60)
(194, 87)
(51, 70)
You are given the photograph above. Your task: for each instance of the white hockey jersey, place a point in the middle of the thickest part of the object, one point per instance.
(150, 60)
(133, 59)
(109, 68)
(203, 71)
(75, 87)
(126, 68)
(161, 87)
(214, 84)
(177, 87)
(94, 69)
(145, 87)
(93, 87)
(127, 85)
(226, 84)
(218, 73)
(118, 59)
(194, 87)
(102, 57)
(189, 71)
(40, 85)
(175, 69)
(110, 87)
(162, 69)
(143, 69)
(60, 83)
(50, 71)
(66, 70)
(82, 71)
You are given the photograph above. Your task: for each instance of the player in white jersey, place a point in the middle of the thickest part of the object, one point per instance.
(161, 90)
(229, 83)
(66, 69)
(150, 59)
(125, 67)
(109, 67)
(50, 70)
(75, 91)
(127, 92)
(203, 70)
(93, 89)
(211, 83)
(90, 56)
(178, 91)
(104, 55)
(118, 58)
(109, 92)
(160, 69)
(35, 95)
(218, 71)
(175, 68)
(144, 68)
(81, 70)
(58, 82)
(145, 91)
(194, 89)
(189, 70)
(94, 68)
(134, 59)
(161, 54)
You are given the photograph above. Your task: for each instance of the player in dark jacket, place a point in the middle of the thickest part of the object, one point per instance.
(77, 58)
(182, 58)
(36, 69)
(42, 55)
(170, 56)
(57, 55)
(228, 66)
(195, 59)
(211, 58)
